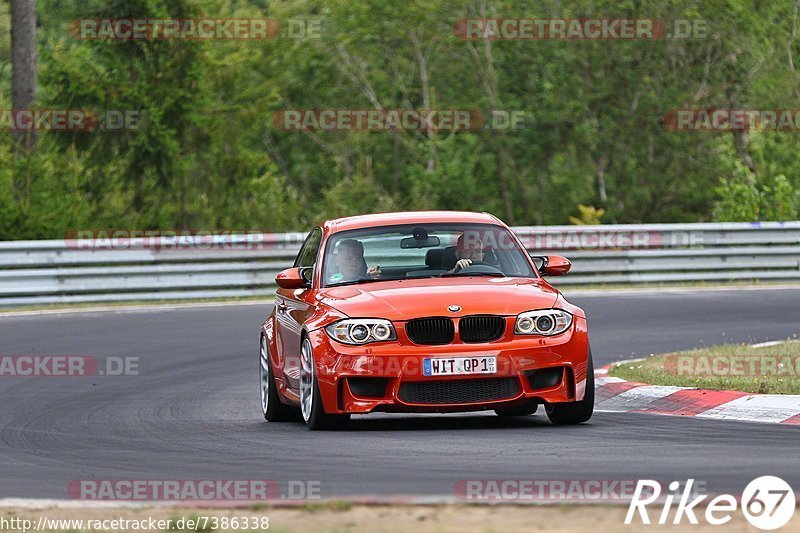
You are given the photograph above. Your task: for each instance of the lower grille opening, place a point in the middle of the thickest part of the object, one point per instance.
(368, 387)
(545, 378)
(459, 391)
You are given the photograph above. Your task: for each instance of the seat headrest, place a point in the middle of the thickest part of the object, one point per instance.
(433, 258)
(449, 258)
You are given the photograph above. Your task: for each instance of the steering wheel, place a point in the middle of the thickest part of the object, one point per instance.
(480, 267)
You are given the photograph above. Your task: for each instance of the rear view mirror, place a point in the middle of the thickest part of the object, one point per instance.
(412, 242)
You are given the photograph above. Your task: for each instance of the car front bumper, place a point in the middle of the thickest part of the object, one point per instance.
(388, 376)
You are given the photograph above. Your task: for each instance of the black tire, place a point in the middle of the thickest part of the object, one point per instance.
(275, 410)
(518, 410)
(569, 413)
(318, 419)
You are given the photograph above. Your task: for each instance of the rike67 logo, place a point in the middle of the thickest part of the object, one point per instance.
(767, 502)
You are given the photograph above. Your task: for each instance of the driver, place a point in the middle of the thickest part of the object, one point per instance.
(467, 253)
(350, 261)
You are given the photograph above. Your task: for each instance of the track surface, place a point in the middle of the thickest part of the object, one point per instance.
(193, 413)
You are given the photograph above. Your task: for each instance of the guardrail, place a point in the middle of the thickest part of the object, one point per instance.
(97, 270)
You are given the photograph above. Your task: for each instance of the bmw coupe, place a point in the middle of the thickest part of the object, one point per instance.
(422, 312)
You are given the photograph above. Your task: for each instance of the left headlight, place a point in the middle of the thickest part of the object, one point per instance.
(361, 330)
(543, 322)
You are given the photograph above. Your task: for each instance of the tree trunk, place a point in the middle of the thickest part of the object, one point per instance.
(508, 212)
(23, 60)
(430, 167)
(741, 142)
(600, 181)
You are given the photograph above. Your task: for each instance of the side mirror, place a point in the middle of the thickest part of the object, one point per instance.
(292, 278)
(552, 265)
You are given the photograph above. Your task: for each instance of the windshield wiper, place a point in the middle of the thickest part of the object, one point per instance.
(357, 281)
(465, 274)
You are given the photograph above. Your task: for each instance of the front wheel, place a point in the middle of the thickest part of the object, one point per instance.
(569, 413)
(311, 407)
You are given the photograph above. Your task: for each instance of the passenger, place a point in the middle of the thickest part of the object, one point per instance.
(349, 259)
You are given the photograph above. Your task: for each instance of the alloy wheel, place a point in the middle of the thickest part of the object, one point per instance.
(306, 380)
(264, 375)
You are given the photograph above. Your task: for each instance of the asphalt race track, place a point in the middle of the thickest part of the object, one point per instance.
(193, 413)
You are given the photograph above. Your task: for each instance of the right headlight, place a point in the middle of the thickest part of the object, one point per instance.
(543, 322)
(361, 330)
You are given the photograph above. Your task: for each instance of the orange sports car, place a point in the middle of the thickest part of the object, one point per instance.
(422, 312)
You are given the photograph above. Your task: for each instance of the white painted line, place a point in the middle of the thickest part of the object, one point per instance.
(132, 308)
(767, 344)
(774, 343)
(611, 379)
(637, 398)
(757, 408)
(626, 361)
(623, 362)
(37, 503)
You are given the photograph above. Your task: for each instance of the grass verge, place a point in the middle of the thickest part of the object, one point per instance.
(773, 369)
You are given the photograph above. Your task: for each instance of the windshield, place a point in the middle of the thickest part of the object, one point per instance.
(421, 251)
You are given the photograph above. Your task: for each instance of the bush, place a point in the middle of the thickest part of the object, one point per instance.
(779, 201)
(741, 199)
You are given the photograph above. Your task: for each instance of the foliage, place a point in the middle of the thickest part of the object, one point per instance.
(742, 199)
(588, 215)
(593, 143)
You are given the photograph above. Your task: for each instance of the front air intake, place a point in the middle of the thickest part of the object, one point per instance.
(459, 390)
(368, 387)
(545, 378)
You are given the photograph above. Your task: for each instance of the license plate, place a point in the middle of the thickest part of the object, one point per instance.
(449, 366)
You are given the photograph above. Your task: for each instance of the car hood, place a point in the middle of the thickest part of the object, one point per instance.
(407, 299)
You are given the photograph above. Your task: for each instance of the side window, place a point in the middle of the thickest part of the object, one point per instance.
(308, 253)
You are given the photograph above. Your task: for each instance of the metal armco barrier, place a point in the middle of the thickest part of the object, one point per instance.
(99, 270)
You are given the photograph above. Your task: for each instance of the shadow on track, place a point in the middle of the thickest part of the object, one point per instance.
(366, 423)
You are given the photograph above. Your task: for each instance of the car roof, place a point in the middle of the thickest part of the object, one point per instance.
(409, 217)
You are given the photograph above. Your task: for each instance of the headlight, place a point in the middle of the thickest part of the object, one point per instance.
(543, 322)
(361, 330)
